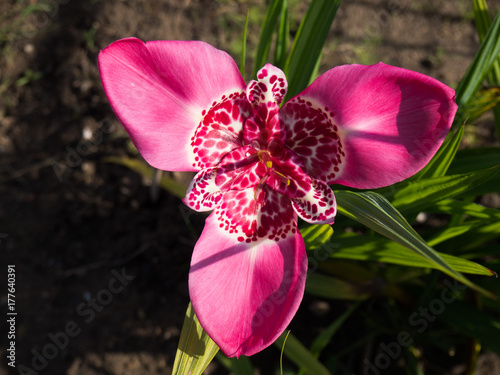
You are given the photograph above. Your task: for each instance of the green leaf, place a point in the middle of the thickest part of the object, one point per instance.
(375, 249)
(167, 183)
(244, 47)
(448, 233)
(316, 235)
(455, 207)
(274, 9)
(296, 352)
(475, 238)
(482, 18)
(474, 323)
(377, 213)
(439, 164)
(325, 337)
(475, 159)
(482, 102)
(418, 195)
(281, 48)
(308, 44)
(480, 66)
(334, 288)
(195, 350)
(483, 23)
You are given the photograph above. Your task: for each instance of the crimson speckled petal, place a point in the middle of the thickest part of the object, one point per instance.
(264, 123)
(313, 136)
(318, 206)
(203, 194)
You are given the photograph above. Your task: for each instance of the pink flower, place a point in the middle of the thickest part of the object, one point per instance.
(187, 108)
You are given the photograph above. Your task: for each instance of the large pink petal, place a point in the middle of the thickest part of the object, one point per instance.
(246, 288)
(159, 91)
(390, 121)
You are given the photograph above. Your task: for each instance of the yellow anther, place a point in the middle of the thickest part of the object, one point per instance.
(269, 164)
(281, 177)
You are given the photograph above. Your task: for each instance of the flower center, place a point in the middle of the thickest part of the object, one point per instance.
(265, 157)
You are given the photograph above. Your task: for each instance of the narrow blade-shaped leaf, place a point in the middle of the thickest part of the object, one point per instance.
(476, 159)
(416, 196)
(377, 213)
(325, 337)
(483, 23)
(482, 102)
(244, 47)
(308, 44)
(266, 34)
(456, 207)
(475, 238)
(482, 17)
(480, 66)
(448, 233)
(375, 249)
(281, 49)
(316, 235)
(439, 164)
(470, 160)
(196, 349)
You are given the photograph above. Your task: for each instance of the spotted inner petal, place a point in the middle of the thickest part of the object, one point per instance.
(255, 171)
(239, 169)
(270, 87)
(314, 137)
(220, 130)
(318, 206)
(203, 194)
(264, 125)
(288, 175)
(251, 218)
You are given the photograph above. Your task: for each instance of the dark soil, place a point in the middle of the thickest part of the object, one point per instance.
(71, 222)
